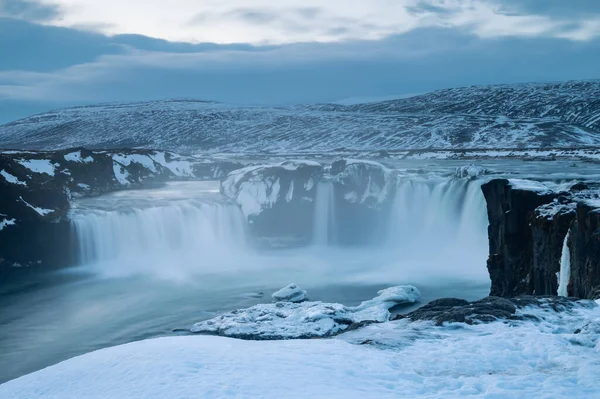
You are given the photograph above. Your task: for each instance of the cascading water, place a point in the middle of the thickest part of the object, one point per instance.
(565, 268)
(324, 219)
(184, 235)
(440, 223)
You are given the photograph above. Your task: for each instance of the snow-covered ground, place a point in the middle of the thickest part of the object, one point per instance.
(508, 117)
(557, 356)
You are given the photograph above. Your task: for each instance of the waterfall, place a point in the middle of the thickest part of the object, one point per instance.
(180, 235)
(440, 223)
(324, 216)
(565, 267)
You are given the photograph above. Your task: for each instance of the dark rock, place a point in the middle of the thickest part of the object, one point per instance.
(510, 210)
(489, 309)
(585, 251)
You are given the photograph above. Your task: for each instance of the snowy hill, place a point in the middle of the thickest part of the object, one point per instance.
(510, 116)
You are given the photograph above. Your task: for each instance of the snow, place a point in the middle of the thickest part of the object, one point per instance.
(39, 211)
(402, 360)
(84, 186)
(529, 185)
(7, 222)
(11, 179)
(121, 174)
(470, 171)
(38, 165)
(127, 159)
(288, 320)
(76, 157)
(291, 293)
(177, 166)
(290, 194)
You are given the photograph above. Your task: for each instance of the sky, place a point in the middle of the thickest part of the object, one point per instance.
(58, 53)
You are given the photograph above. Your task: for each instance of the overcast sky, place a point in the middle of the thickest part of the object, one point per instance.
(57, 53)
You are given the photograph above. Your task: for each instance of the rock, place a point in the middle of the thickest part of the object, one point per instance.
(291, 293)
(278, 200)
(585, 250)
(288, 320)
(490, 309)
(510, 206)
(37, 188)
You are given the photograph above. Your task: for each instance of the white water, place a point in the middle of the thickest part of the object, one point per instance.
(188, 234)
(324, 221)
(565, 268)
(440, 224)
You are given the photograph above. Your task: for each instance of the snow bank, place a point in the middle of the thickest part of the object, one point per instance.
(520, 360)
(291, 293)
(127, 159)
(121, 174)
(177, 166)
(529, 185)
(288, 320)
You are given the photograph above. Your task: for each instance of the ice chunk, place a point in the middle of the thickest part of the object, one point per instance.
(291, 293)
(289, 320)
(470, 171)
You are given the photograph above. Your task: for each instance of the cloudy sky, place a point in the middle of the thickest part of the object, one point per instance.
(59, 53)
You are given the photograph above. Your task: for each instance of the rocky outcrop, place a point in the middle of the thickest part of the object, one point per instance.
(490, 309)
(37, 187)
(511, 205)
(529, 228)
(278, 200)
(585, 251)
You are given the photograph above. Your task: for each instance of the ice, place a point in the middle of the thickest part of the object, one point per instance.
(12, 179)
(288, 320)
(39, 211)
(291, 293)
(565, 267)
(402, 360)
(38, 165)
(121, 174)
(76, 157)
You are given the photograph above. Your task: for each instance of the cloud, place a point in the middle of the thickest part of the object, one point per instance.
(29, 10)
(293, 21)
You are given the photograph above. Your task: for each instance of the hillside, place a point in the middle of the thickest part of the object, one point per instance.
(509, 116)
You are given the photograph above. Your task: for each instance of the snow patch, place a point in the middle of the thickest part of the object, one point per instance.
(128, 159)
(7, 222)
(121, 174)
(529, 185)
(12, 179)
(38, 165)
(178, 167)
(39, 211)
(77, 157)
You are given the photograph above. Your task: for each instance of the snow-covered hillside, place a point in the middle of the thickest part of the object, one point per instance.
(516, 116)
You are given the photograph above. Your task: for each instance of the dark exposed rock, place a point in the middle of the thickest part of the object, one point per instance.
(585, 251)
(487, 310)
(278, 200)
(510, 209)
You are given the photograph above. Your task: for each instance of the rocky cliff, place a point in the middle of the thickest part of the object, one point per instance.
(36, 189)
(531, 227)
